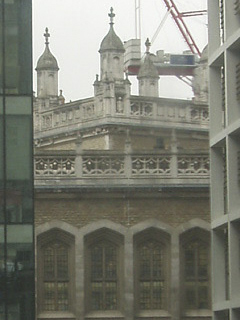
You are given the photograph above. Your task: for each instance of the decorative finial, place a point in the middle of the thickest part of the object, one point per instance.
(148, 45)
(111, 15)
(46, 35)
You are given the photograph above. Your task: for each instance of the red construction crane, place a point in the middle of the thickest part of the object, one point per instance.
(181, 65)
(178, 18)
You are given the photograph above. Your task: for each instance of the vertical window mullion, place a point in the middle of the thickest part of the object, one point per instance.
(55, 279)
(196, 281)
(104, 291)
(104, 278)
(151, 276)
(197, 284)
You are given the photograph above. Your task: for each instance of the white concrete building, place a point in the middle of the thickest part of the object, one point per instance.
(224, 79)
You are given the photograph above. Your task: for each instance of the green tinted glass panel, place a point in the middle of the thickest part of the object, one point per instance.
(1, 47)
(17, 33)
(2, 274)
(18, 151)
(1, 160)
(19, 160)
(19, 138)
(20, 270)
(16, 188)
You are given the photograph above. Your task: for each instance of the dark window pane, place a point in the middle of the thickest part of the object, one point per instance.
(49, 296)
(158, 287)
(111, 295)
(151, 276)
(62, 296)
(145, 295)
(203, 296)
(110, 262)
(97, 296)
(1, 50)
(1, 147)
(97, 263)
(104, 277)
(56, 280)
(145, 265)
(20, 269)
(48, 263)
(157, 262)
(62, 263)
(191, 296)
(196, 275)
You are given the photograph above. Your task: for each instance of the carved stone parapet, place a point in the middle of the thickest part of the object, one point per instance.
(173, 167)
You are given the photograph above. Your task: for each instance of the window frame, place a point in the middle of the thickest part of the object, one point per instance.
(103, 279)
(203, 238)
(163, 239)
(53, 237)
(113, 239)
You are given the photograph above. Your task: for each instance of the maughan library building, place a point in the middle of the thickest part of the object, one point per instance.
(122, 215)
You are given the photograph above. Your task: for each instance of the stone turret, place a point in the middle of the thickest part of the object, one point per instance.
(111, 53)
(200, 79)
(148, 76)
(111, 89)
(47, 72)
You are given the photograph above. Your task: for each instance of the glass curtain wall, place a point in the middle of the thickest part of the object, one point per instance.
(16, 178)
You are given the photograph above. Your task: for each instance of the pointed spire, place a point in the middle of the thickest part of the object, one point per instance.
(47, 60)
(148, 45)
(148, 69)
(46, 35)
(111, 41)
(111, 15)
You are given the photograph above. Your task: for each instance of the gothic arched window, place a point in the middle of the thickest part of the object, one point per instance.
(55, 271)
(103, 271)
(195, 270)
(151, 275)
(104, 278)
(55, 277)
(196, 274)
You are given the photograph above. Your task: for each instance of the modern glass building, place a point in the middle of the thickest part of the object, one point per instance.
(16, 178)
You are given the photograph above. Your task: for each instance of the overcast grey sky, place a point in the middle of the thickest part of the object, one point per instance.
(77, 28)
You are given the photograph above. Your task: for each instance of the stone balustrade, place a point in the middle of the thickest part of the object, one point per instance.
(151, 111)
(112, 168)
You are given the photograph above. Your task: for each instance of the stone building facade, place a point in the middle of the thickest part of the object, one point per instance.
(121, 197)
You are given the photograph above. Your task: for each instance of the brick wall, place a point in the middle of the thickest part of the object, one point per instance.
(79, 210)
